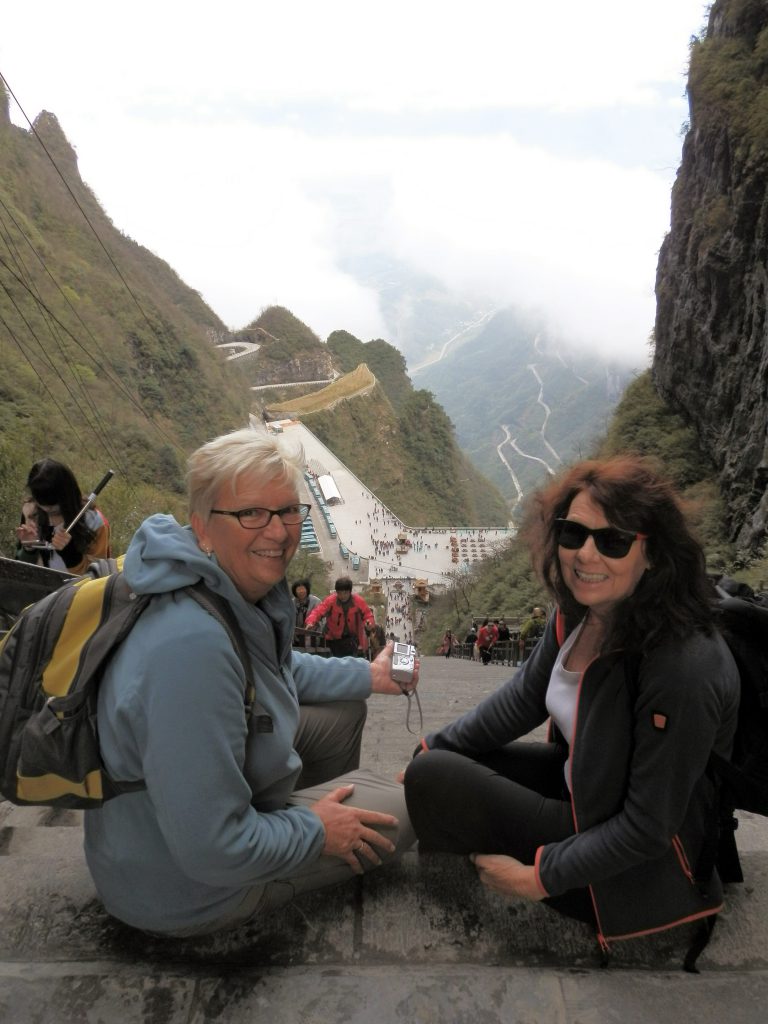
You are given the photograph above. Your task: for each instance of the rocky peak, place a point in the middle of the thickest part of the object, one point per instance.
(55, 141)
(711, 355)
(5, 115)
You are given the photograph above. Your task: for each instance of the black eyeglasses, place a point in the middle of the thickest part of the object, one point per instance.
(258, 518)
(609, 540)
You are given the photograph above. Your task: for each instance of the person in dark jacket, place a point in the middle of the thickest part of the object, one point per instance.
(471, 641)
(304, 600)
(531, 631)
(609, 820)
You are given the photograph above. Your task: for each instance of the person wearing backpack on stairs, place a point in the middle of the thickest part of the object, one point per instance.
(247, 802)
(610, 819)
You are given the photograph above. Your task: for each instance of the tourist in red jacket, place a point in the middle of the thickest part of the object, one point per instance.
(486, 638)
(347, 620)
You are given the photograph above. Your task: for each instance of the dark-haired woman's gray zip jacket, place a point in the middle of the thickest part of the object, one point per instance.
(642, 804)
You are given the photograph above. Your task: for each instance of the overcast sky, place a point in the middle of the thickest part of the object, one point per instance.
(523, 150)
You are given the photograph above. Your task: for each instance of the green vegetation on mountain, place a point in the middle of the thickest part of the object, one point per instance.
(107, 355)
(645, 425)
(351, 384)
(384, 360)
(728, 75)
(110, 362)
(282, 335)
(399, 441)
(409, 459)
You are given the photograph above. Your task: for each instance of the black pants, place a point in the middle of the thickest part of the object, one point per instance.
(511, 801)
(345, 647)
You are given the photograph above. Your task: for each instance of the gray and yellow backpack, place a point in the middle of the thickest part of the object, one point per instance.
(51, 663)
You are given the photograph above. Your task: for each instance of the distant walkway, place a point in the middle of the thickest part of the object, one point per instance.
(247, 347)
(293, 384)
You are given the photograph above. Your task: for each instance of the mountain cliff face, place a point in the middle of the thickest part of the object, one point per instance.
(711, 357)
(102, 345)
(107, 356)
(287, 350)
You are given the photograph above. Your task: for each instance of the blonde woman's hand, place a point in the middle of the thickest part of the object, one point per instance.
(348, 830)
(381, 673)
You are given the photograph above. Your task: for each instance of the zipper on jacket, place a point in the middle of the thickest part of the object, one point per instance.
(605, 949)
(677, 846)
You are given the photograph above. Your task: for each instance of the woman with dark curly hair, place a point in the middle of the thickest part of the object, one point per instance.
(56, 499)
(609, 820)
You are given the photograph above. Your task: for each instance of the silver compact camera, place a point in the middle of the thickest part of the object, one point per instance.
(403, 663)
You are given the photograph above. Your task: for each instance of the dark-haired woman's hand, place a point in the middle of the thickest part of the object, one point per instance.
(27, 533)
(60, 539)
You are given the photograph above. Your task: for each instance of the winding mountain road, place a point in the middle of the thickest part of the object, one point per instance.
(512, 441)
(500, 453)
(444, 350)
(547, 412)
(247, 348)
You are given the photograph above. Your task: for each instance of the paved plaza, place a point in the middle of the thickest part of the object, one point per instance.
(361, 518)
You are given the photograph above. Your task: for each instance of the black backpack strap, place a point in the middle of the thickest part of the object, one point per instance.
(221, 610)
(728, 863)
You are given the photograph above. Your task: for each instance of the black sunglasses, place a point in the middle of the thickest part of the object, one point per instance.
(609, 540)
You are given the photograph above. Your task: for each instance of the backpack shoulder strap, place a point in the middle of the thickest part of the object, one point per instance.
(221, 610)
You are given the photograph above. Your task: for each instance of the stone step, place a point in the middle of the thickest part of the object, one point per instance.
(430, 911)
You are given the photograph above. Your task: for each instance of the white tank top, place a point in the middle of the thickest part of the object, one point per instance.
(562, 695)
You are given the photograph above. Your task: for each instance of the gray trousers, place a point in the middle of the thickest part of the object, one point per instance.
(328, 741)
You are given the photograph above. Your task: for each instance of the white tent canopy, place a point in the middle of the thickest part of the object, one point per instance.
(329, 489)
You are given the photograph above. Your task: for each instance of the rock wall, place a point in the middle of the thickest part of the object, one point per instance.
(711, 356)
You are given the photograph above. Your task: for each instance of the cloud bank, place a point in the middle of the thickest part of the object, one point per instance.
(523, 152)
